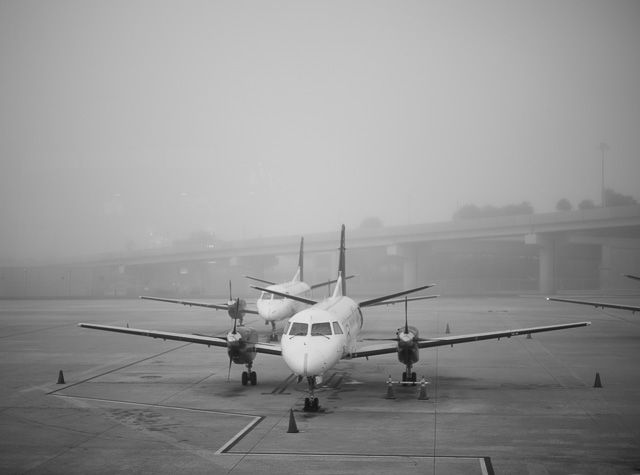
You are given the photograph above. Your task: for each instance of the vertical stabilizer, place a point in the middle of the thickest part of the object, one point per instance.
(301, 259)
(342, 265)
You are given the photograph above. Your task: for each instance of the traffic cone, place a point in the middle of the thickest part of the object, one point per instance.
(390, 389)
(597, 383)
(61, 378)
(447, 330)
(423, 390)
(293, 428)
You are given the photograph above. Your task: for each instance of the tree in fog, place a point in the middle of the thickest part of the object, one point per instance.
(586, 204)
(471, 211)
(563, 205)
(613, 198)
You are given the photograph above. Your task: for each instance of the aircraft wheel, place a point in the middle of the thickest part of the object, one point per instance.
(307, 404)
(315, 405)
(274, 337)
(414, 378)
(245, 378)
(404, 377)
(254, 378)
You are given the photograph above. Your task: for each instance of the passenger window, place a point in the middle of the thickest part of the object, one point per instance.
(321, 329)
(298, 328)
(336, 328)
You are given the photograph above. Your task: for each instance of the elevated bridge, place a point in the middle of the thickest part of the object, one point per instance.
(614, 234)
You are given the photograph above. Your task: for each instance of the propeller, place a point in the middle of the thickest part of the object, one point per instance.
(233, 332)
(407, 336)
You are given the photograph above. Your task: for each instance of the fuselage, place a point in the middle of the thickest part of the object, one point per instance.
(273, 308)
(316, 338)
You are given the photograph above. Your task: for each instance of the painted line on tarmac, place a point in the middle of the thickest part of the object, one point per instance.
(117, 369)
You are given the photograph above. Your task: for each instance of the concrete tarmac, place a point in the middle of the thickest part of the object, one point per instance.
(134, 404)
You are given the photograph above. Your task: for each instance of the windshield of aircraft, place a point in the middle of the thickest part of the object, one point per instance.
(317, 329)
(298, 328)
(269, 296)
(321, 329)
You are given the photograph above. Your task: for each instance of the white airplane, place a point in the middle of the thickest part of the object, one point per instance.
(632, 308)
(317, 338)
(271, 307)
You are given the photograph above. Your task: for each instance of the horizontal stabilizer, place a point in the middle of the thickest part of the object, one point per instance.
(376, 301)
(329, 282)
(286, 296)
(393, 302)
(268, 282)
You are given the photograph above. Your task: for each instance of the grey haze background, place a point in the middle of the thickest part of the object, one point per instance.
(139, 122)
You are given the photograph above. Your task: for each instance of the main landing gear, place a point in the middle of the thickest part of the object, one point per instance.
(249, 376)
(311, 403)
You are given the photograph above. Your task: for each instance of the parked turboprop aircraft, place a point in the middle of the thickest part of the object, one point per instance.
(632, 308)
(271, 307)
(317, 338)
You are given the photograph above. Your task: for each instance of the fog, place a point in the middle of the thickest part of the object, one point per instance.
(134, 124)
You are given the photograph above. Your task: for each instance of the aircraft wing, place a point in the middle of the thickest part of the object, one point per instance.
(266, 348)
(197, 304)
(391, 346)
(633, 308)
(286, 296)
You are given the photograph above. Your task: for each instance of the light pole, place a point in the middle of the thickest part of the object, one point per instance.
(603, 146)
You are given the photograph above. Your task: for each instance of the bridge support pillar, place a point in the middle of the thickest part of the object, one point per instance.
(409, 254)
(547, 260)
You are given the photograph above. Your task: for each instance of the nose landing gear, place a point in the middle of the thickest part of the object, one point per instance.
(311, 403)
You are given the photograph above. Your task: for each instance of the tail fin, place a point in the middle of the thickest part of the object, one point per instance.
(342, 265)
(301, 259)
(299, 276)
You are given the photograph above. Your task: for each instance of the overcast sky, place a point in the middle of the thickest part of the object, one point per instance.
(135, 121)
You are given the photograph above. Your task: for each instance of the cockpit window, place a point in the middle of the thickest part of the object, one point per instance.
(298, 328)
(321, 329)
(336, 328)
(266, 296)
(286, 328)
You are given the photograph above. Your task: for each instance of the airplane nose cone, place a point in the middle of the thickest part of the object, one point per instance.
(308, 360)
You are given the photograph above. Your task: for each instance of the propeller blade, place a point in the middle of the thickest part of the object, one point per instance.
(229, 372)
(406, 318)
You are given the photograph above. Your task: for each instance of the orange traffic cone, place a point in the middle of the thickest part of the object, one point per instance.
(61, 378)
